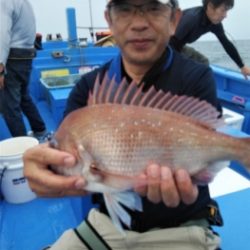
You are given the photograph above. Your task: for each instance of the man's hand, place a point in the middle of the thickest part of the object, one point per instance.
(43, 181)
(167, 186)
(245, 71)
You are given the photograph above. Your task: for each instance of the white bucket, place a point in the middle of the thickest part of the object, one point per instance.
(14, 186)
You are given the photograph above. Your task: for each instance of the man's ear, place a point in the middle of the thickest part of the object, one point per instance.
(175, 20)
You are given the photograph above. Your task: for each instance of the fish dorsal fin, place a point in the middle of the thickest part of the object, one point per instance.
(109, 91)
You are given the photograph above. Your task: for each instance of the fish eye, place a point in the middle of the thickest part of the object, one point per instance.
(96, 172)
(94, 169)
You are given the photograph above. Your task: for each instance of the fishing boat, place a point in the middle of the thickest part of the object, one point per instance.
(35, 224)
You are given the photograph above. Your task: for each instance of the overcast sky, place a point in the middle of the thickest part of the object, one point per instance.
(51, 17)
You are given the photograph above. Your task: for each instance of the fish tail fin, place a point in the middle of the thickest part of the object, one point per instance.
(118, 214)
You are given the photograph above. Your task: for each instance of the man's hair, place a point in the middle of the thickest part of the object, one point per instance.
(216, 3)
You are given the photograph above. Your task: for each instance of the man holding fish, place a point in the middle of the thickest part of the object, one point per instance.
(112, 141)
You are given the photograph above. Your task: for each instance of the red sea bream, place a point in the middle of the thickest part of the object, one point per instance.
(123, 129)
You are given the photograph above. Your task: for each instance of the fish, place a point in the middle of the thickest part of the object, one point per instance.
(123, 129)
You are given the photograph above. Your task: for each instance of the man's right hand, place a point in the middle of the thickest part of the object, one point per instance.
(245, 71)
(43, 181)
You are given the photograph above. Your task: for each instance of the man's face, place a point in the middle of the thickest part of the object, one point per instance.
(216, 15)
(141, 29)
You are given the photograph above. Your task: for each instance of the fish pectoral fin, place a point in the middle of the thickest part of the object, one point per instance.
(206, 175)
(118, 214)
(130, 200)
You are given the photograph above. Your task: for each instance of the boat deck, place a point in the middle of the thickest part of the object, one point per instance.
(36, 224)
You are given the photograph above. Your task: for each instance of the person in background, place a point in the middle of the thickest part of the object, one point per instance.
(177, 214)
(17, 36)
(198, 21)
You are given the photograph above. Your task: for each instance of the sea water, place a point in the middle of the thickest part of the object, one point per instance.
(216, 54)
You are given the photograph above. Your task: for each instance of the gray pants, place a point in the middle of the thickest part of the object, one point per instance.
(190, 236)
(192, 53)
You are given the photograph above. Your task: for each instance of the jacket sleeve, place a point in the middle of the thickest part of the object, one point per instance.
(228, 45)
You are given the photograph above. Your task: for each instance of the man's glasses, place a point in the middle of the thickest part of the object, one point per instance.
(152, 9)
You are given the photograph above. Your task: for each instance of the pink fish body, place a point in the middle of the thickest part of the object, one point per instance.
(120, 132)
